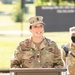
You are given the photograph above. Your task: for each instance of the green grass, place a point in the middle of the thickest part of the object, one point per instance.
(5, 7)
(7, 47)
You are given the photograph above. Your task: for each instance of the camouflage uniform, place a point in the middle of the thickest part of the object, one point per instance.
(32, 55)
(71, 59)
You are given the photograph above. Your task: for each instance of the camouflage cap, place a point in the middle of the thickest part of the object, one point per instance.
(72, 30)
(36, 20)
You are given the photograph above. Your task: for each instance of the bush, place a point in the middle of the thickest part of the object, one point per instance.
(54, 2)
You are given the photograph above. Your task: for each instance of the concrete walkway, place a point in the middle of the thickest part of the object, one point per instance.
(2, 32)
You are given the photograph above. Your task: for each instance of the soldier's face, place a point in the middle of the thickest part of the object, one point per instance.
(37, 30)
(73, 34)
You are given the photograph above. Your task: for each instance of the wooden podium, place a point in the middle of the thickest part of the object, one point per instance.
(36, 71)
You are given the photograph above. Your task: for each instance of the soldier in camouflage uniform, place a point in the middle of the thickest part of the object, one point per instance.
(71, 46)
(37, 51)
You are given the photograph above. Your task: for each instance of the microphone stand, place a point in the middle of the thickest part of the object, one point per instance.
(66, 55)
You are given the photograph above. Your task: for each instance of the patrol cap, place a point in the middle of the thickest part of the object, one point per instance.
(36, 20)
(72, 30)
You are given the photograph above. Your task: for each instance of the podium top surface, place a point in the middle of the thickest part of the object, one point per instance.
(37, 70)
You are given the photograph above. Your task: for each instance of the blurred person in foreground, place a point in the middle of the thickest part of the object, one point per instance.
(70, 58)
(37, 51)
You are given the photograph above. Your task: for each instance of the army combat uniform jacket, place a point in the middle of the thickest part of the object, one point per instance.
(71, 59)
(33, 55)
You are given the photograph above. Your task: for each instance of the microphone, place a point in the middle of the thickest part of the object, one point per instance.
(67, 50)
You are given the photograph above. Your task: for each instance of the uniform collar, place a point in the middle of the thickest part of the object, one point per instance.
(42, 44)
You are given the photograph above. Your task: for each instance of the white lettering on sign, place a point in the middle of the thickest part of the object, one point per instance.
(60, 9)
